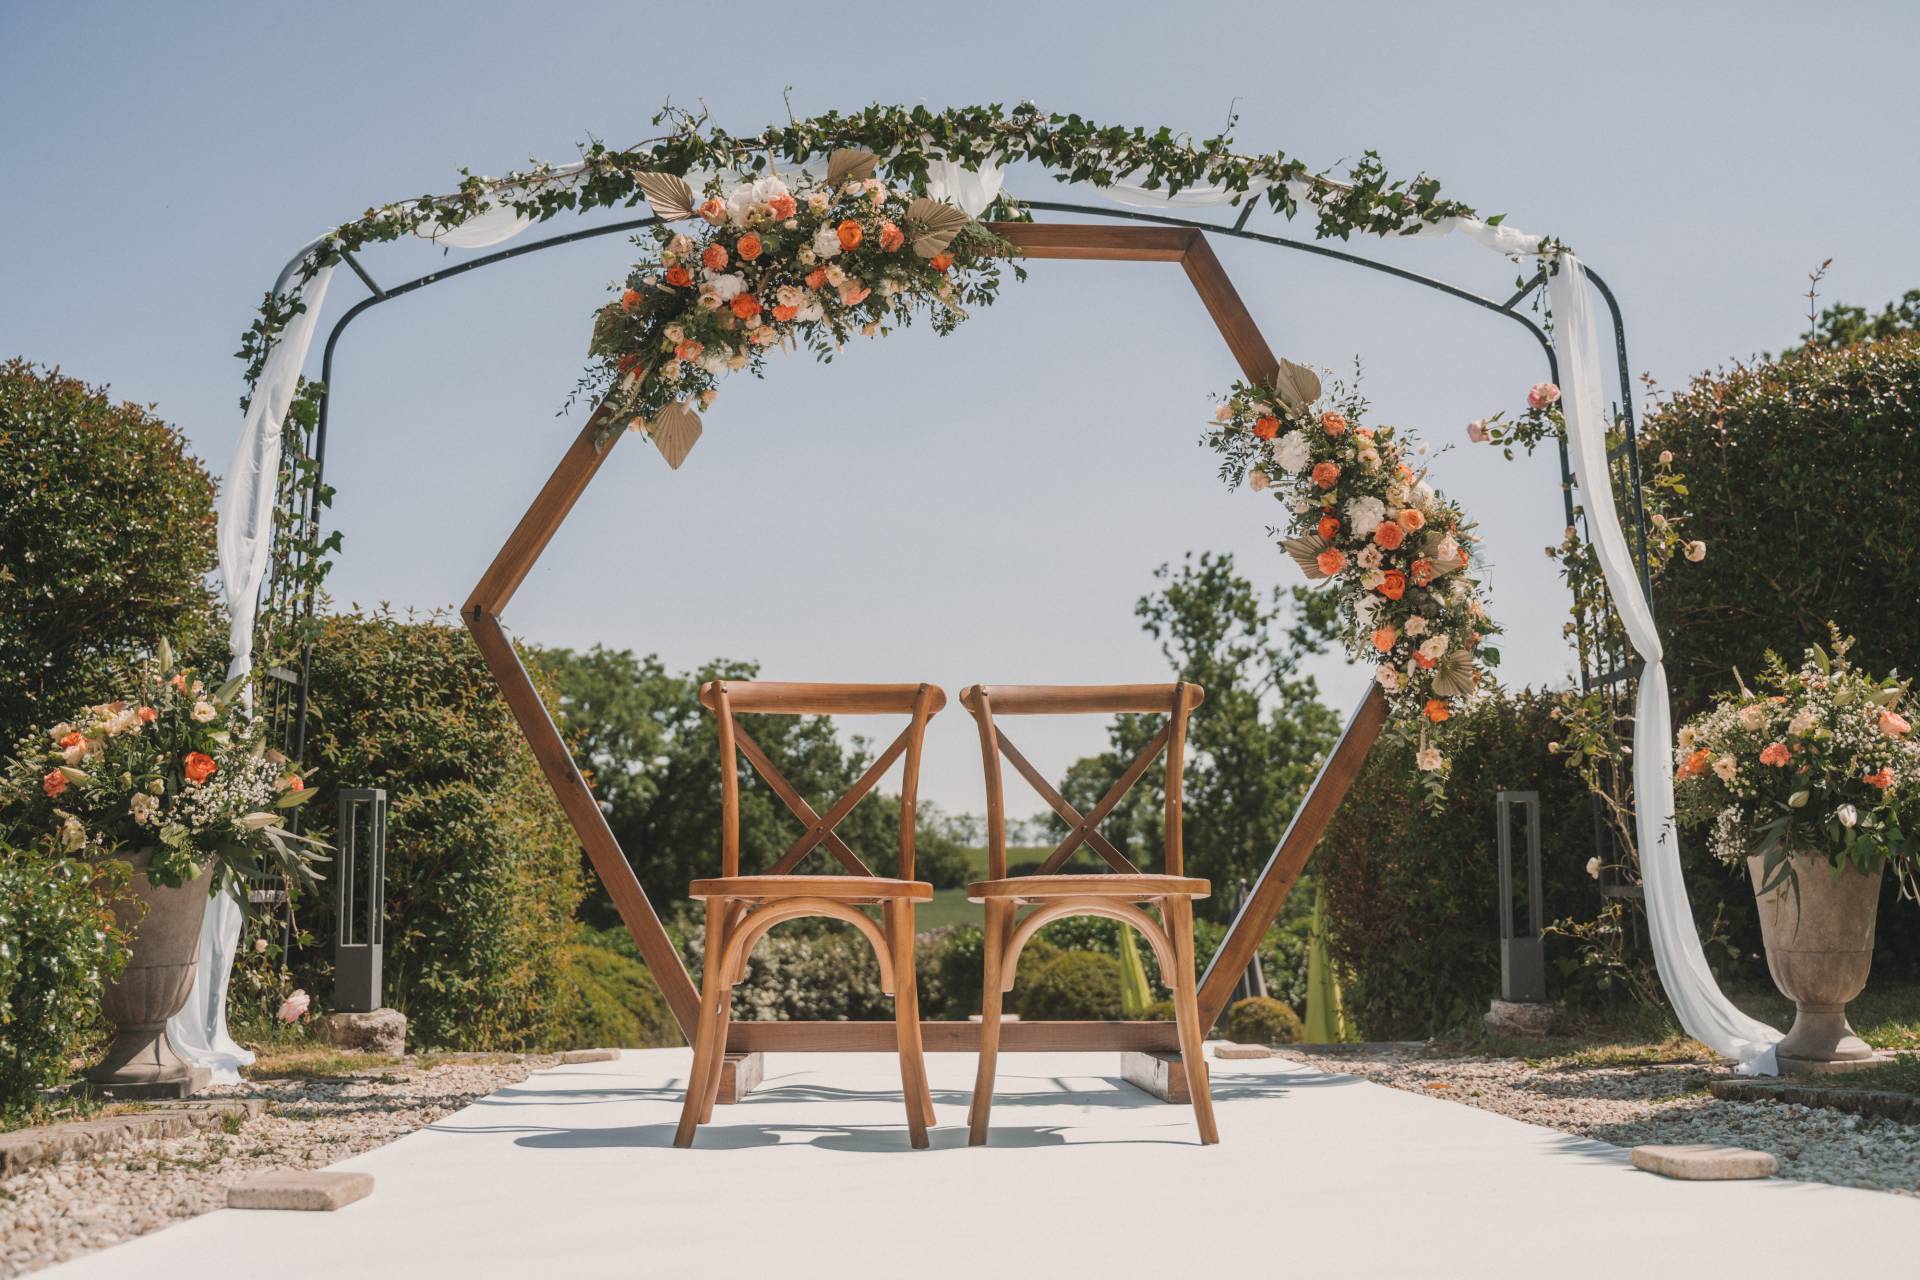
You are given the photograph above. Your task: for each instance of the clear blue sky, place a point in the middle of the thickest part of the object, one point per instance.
(981, 507)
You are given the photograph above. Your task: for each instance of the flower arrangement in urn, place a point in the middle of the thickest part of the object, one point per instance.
(1812, 782)
(174, 780)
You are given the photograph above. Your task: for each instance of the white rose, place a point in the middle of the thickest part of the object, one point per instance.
(813, 312)
(1433, 648)
(826, 244)
(203, 712)
(725, 285)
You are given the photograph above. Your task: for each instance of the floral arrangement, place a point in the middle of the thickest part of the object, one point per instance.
(768, 265)
(1362, 517)
(174, 768)
(1821, 759)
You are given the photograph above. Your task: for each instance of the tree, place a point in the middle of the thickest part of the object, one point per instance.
(106, 538)
(1843, 325)
(1253, 746)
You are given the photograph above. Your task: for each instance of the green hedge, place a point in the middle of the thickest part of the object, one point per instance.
(106, 539)
(57, 945)
(607, 999)
(1260, 1020)
(1073, 985)
(483, 871)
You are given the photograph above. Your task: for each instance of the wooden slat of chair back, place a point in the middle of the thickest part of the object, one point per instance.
(759, 697)
(1177, 700)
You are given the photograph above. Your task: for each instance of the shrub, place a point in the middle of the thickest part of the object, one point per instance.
(607, 999)
(58, 945)
(1158, 1011)
(950, 964)
(1075, 985)
(107, 534)
(482, 870)
(1414, 893)
(1261, 1020)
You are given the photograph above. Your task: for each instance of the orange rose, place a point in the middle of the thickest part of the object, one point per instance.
(1331, 561)
(1267, 428)
(715, 258)
(54, 783)
(816, 277)
(296, 783)
(630, 299)
(1881, 778)
(714, 211)
(783, 207)
(745, 305)
(1333, 423)
(679, 276)
(748, 247)
(850, 234)
(687, 350)
(148, 715)
(1775, 755)
(1326, 474)
(73, 739)
(890, 237)
(1422, 572)
(1422, 661)
(1412, 521)
(1384, 638)
(785, 313)
(1328, 528)
(199, 766)
(1694, 764)
(1436, 710)
(941, 262)
(1389, 535)
(1394, 585)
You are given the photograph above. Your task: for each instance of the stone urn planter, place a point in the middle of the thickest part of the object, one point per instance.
(164, 925)
(1819, 950)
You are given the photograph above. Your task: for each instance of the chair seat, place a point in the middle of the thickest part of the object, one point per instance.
(839, 888)
(1131, 888)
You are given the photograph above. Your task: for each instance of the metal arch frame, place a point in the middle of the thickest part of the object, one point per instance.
(1184, 241)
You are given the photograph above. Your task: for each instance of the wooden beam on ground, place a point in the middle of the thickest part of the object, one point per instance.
(1290, 855)
(1162, 1074)
(740, 1075)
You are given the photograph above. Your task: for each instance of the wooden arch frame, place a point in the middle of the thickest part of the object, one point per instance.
(481, 613)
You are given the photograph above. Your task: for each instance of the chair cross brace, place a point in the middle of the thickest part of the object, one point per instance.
(820, 829)
(1086, 829)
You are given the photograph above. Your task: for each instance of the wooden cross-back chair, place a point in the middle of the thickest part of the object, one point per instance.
(1123, 893)
(741, 908)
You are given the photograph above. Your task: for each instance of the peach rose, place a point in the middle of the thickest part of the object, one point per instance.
(199, 766)
(745, 305)
(1893, 724)
(1333, 423)
(816, 277)
(850, 234)
(714, 211)
(715, 258)
(783, 207)
(54, 783)
(1775, 754)
(890, 237)
(1411, 520)
(1259, 481)
(1436, 710)
(1326, 474)
(1389, 535)
(853, 293)
(748, 246)
(1881, 778)
(679, 277)
(1542, 394)
(1384, 638)
(1477, 432)
(1331, 561)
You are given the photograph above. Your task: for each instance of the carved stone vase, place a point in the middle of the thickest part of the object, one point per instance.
(1819, 950)
(164, 925)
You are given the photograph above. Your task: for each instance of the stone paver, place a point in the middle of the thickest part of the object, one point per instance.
(310, 1190)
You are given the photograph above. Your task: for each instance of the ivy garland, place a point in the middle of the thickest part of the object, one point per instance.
(909, 140)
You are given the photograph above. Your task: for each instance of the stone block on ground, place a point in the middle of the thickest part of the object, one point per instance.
(1226, 1049)
(1521, 1018)
(381, 1031)
(1703, 1162)
(313, 1190)
(589, 1055)
(1162, 1074)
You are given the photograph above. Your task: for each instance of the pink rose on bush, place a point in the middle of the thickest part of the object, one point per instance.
(294, 1007)
(1542, 394)
(1477, 432)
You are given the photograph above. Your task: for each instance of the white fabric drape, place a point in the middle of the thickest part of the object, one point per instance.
(198, 1032)
(1704, 1010)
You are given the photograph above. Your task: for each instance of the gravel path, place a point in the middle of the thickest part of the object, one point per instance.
(55, 1212)
(1629, 1106)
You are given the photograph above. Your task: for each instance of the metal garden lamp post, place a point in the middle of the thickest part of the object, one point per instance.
(359, 1020)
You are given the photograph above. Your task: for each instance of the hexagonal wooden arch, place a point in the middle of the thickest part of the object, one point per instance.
(510, 566)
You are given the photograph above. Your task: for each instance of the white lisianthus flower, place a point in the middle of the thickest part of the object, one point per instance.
(826, 244)
(1370, 557)
(714, 362)
(1433, 648)
(1291, 452)
(1752, 716)
(1685, 737)
(1725, 768)
(818, 202)
(813, 312)
(204, 712)
(1389, 679)
(1429, 759)
(1423, 496)
(680, 246)
(836, 277)
(1802, 722)
(142, 806)
(1371, 579)
(1416, 626)
(1364, 515)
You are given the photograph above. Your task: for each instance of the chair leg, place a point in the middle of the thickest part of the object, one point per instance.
(906, 1021)
(991, 998)
(715, 1073)
(1178, 913)
(715, 994)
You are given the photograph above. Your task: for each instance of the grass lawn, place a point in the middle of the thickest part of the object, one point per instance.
(950, 906)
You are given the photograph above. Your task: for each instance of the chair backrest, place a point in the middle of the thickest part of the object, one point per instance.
(988, 700)
(726, 698)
